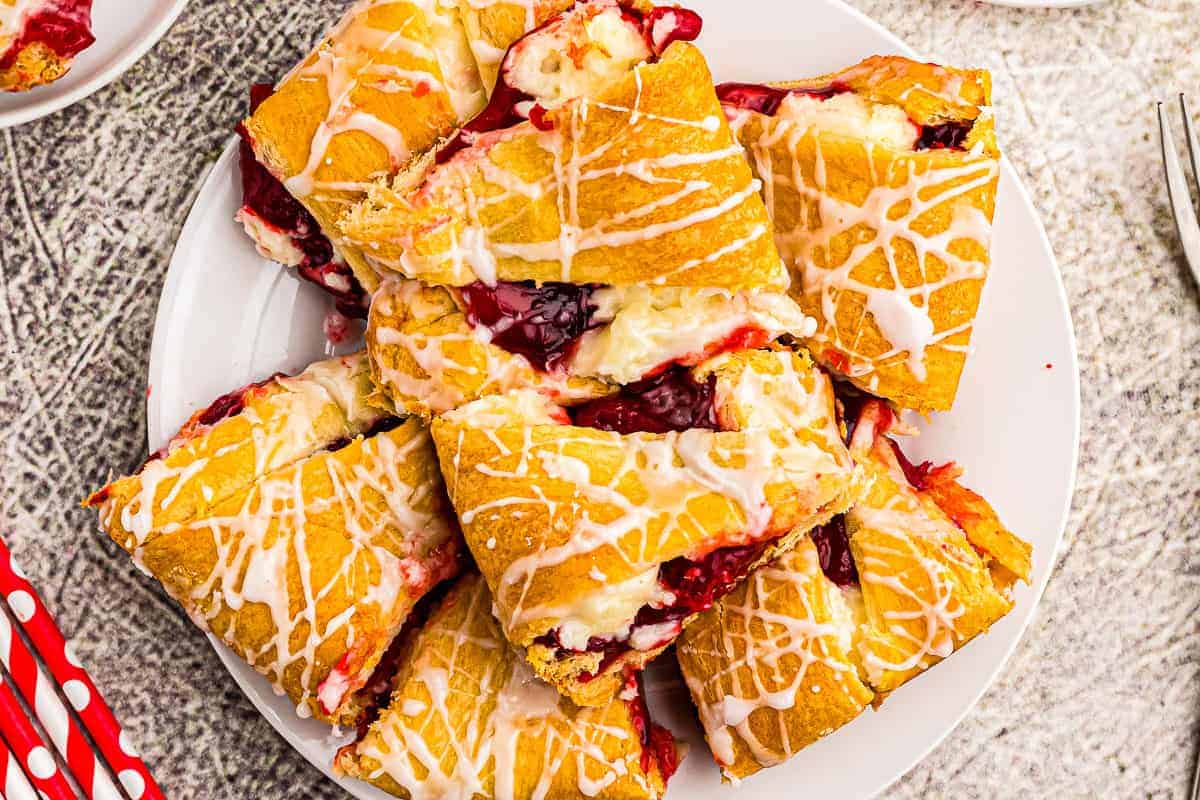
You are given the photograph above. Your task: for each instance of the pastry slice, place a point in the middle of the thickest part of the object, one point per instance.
(388, 81)
(286, 232)
(604, 529)
(916, 568)
(881, 183)
(310, 572)
(39, 39)
(434, 348)
(238, 439)
(773, 667)
(468, 719)
(604, 157)
(935, 565)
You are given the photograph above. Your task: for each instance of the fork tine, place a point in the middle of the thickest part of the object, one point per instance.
(1179, 196)
(1189, 132)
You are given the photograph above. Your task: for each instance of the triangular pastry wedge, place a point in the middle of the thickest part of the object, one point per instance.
(467, 718)
(615, 167)
(387, 82)
(881, 182)
(773, 666)
(916, 568)
(604, 530)
(243, 435)
(297, 540)
(39, 40)
(935, 565)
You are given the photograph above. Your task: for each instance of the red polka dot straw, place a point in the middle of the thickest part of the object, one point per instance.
(13, 783)
(76, 685)
(29, 748)
(60, 726)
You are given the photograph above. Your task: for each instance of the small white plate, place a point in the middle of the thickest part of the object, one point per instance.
(228, 317)
(124, 29)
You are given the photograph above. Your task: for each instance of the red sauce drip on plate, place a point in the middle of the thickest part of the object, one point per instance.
(670, 401)
(64, 26)
(542, 323)
(658, 743)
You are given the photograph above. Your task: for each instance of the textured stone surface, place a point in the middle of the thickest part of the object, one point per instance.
(1103, 695)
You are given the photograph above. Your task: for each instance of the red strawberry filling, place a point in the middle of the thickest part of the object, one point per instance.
(670, 401)
(511, 106)
(542, 323)
(265, 197)
(766, 100)
(833, 549)
(65, 26)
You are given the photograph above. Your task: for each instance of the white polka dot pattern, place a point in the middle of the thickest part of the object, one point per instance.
(41, 763)
(77, 694)
(22, 605)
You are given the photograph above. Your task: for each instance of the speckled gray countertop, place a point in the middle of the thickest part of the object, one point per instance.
(1102, 697)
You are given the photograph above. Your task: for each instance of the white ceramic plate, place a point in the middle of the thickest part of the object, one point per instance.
(227, 317)
(124, 29)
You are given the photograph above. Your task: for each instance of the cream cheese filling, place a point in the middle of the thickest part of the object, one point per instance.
(649, 327)
(577, 55)
(853, 116)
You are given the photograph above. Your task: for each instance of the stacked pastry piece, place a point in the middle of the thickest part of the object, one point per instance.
(587, 387)
(298, 524)
(915, 569)
(880, 181)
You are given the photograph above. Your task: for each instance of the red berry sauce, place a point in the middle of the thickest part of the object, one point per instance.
(502, 110)
(670, 401)
(696, 585)
(945, 136)
(264, 196)
(65, 26)
(767, 100)
(658, 744)
(542, 323)
(833, 548)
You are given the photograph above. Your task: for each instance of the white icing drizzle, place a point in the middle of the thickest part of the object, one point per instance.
(609, 521)
(280, 430)
(888, 215)
(571, 180)
(346, 60)
(487, 53)
(923, 580)
(500, 732)
(785, 619)
(272, 551)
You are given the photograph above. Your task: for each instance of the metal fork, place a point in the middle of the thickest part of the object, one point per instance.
(1185, 215)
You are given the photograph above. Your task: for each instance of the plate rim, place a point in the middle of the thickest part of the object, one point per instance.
(168, 299)
(43, 108)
